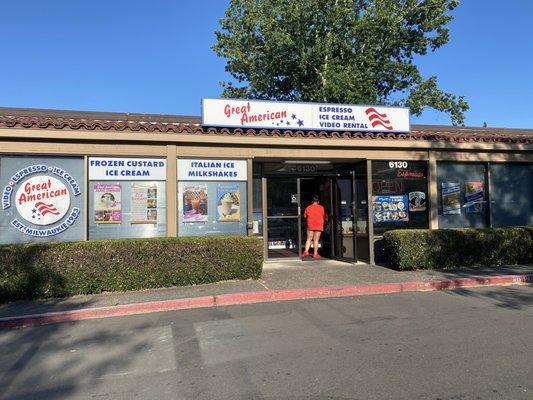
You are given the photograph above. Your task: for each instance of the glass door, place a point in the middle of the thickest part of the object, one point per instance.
(283, 217)
(362, 241)
(343, 218)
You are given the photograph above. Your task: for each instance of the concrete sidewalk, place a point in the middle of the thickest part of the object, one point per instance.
(276, 278)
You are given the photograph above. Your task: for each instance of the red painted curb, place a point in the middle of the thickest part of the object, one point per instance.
(259, 297)
(306, 293)
(466, 282)
(106, 312)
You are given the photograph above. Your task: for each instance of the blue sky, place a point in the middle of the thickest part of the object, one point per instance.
(156, 57)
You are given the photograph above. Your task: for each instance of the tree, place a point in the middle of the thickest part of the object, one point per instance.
(338, 51)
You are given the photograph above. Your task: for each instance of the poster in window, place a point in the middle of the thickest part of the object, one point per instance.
(195, 203)
(107, 203)
(474, 195)
(391, 208)
(451, 198)
(143, 203)
(417, 201)
(228, 203)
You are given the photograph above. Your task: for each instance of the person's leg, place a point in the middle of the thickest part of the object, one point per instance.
(316, 237)
(308, 242)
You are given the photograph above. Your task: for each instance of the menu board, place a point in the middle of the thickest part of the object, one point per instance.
(143, 203)
(391, 208)
(451, 198)
(195, 203)
(107, 203)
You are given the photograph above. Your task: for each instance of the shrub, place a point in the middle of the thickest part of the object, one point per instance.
(32, 271)
(450, 248)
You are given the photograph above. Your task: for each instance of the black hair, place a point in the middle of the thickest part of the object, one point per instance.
(315, 199)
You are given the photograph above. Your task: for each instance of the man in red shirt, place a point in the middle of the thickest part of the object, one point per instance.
(316, 215)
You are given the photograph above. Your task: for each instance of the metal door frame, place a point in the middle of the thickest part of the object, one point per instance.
(301, 236)
(266, 218)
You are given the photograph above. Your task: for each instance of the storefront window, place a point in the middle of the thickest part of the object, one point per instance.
(462, 195)
(511, 194)
(42, 199)
(123, 201)
(399, 195)
(216, 204)
(212, 208)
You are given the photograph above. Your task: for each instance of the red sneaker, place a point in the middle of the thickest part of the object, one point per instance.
(305, 254)
(316, 256)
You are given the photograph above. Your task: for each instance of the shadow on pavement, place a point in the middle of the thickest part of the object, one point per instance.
(48, 361)
(510, 297)
(28, 307)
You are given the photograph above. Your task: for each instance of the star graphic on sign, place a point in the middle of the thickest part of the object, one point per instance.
(300, 122)
(293, 116)
(35, 214)
(288, 123)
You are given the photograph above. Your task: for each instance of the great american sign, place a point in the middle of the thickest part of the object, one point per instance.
(304, 116)
(43, 198)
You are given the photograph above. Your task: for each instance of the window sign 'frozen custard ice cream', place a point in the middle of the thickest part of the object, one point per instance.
(41, 200)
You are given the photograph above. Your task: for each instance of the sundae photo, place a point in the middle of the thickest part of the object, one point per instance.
(195, 203)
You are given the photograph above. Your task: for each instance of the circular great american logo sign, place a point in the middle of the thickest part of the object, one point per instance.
(43, 196)
(42, 200)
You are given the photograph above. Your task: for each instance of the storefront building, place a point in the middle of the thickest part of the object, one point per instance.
(84, 176)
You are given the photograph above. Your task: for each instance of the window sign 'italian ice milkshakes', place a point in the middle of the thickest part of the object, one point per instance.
(211, 170)
(304, 116)
(43, 202)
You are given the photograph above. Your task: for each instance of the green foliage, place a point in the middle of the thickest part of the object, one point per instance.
(339, 51)
(65, 269)
(452, 248)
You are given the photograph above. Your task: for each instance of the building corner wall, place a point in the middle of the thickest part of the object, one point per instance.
(172, 193)
(433, 191)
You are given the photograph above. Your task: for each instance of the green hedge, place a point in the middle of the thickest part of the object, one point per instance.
(451, 248)
(64, 269)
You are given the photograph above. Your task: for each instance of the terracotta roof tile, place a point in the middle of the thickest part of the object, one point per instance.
(121, 122)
